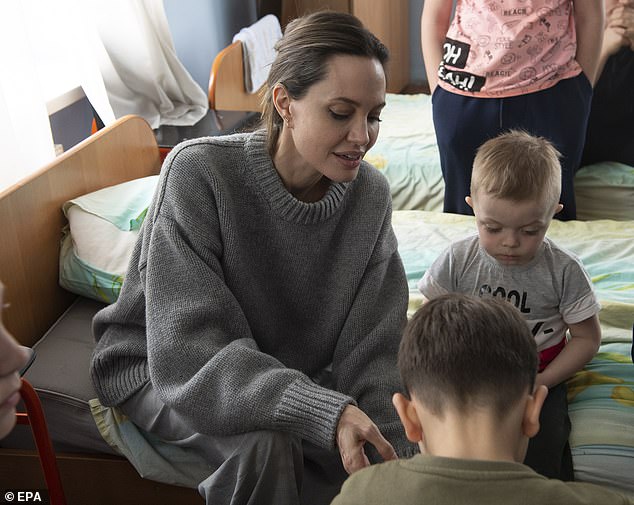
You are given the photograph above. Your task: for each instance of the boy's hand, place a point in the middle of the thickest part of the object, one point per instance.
(585, 338)
(355, 428)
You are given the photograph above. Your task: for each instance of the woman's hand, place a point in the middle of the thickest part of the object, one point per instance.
(355, 428)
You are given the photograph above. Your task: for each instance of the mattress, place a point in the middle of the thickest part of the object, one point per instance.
(602, 395)
(60, 376)
(407, 153)
(601, 412)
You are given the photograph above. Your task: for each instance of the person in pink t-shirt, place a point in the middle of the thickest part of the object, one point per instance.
(518, 64)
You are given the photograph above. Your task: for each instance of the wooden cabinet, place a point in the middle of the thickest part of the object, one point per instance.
(387, 19)
(294, 8)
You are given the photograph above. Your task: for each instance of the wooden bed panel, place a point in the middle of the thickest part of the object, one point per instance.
(385, 20)
(31, 219)
(295, 8)
(226, 82)
(86, 479)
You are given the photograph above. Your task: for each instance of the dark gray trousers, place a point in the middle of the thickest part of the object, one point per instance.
(262, 467)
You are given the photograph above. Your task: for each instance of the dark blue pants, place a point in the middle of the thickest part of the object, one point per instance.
(549, 451)
(610, 135)
(463, 124)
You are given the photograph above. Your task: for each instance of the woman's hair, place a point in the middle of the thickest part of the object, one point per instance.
(517, 166)
(464, 352)
(303, 54)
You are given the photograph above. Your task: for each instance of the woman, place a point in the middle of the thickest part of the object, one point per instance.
(260, 318)
(12, 358)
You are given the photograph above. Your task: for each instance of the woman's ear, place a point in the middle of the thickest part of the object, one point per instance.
(282, 102)
(534, 404)
(409, 417)
(469, 201)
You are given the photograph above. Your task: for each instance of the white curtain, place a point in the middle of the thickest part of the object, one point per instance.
(139, 66)
(45, 51)
(119, 51)
(25, 132)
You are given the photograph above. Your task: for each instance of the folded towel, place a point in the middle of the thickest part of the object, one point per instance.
(258, 50)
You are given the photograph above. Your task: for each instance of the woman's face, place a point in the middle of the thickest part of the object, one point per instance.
(337, 121)
(12, 358)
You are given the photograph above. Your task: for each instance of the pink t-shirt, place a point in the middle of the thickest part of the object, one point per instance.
(507, 48)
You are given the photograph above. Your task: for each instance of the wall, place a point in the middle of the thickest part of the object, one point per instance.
(201, 28)
(417, 69)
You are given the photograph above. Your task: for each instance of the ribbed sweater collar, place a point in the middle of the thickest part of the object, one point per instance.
(286, 205)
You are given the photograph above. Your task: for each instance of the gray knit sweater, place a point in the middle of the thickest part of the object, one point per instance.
(237, 294)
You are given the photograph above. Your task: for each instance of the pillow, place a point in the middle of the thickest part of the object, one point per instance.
(97, 242)
(605, 190)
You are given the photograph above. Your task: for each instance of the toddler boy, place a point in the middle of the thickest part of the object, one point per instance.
(515, 188)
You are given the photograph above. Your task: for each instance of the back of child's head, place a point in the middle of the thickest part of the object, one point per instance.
(463, 352)
(517, 166)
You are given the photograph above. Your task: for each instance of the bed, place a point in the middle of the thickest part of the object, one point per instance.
(406, 151)
(601, 396)
(57, 322)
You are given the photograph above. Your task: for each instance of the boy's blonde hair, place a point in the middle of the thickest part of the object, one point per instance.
(517, 166)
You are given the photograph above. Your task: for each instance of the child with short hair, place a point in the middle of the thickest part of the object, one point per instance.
(515, 190)
(471, 407)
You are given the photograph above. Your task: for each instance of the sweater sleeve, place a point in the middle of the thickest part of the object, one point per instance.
(202, 358)
(365, 360)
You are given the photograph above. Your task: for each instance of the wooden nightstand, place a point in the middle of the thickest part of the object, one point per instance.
(387, 19)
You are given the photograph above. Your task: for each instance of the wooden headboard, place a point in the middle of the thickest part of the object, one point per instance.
(226, 82)
(31, 219)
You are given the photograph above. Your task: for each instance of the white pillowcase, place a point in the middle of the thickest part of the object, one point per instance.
(103, 227)
(100, 243)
